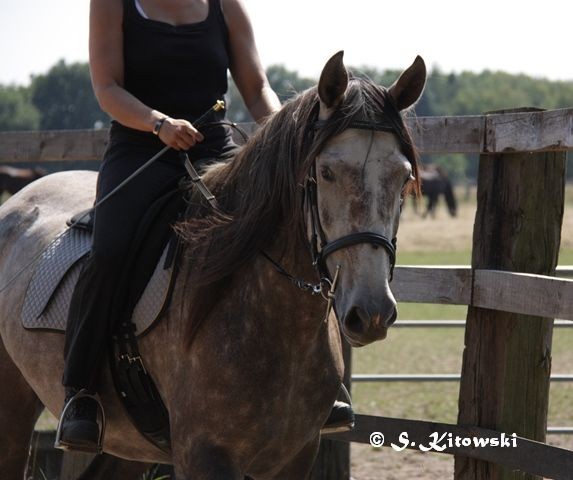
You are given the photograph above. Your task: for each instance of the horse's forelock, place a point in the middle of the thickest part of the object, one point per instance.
(260, 190)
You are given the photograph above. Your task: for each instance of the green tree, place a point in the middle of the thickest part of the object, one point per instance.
(284, 82)
(65, 98)
(16, 109)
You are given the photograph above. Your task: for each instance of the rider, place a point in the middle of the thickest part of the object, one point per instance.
(156, 66)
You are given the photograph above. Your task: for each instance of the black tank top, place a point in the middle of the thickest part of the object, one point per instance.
(179, 70)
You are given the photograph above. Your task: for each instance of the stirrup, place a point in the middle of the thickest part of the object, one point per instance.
(83, 393)
(328, 429)
(346, 393)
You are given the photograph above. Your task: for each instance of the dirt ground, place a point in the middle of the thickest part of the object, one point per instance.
(369, 463)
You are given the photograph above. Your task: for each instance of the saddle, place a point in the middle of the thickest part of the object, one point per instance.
(50, 290)
(151, 270)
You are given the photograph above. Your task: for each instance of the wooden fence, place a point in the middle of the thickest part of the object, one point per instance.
(510, 289)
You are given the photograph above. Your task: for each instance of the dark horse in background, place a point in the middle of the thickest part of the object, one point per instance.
(436, 182)
(14, 179)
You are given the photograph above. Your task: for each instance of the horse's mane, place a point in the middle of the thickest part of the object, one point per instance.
(260, 191)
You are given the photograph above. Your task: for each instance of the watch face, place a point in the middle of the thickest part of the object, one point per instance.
(157, 126)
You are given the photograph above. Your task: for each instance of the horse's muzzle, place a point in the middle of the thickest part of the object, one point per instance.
(361, 327)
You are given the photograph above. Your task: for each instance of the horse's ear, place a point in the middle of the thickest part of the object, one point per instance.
(332, 85)
(408, 88)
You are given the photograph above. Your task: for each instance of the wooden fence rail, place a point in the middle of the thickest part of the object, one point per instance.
(494, 289)
(527, 131)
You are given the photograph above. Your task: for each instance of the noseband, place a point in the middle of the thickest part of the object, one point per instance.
(320, 247)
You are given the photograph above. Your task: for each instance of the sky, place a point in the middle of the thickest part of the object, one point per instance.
(531, 37)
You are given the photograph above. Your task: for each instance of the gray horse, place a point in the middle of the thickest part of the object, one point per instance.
(248, 365)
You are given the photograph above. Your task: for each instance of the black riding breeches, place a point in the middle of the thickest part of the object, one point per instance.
(99, 298)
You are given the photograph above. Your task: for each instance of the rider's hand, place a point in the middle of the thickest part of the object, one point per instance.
(179, 134)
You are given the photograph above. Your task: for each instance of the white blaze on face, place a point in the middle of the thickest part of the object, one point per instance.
(360, 177)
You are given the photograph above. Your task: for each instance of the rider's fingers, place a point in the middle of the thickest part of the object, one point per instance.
(195, 134)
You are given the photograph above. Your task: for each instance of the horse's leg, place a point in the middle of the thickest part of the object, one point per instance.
(428, 206)
(432, 200)
(19, 410)
(107, 466)
(204, 461)
(300, 466)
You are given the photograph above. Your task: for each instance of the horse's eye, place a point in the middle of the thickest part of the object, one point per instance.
(327, 174)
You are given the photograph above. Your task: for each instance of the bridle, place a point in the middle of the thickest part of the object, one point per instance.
(320, 247)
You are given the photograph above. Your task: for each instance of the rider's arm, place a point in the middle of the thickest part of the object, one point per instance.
(246, 68)
(107, 72)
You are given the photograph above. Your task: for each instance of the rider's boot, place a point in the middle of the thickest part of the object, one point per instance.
(78, 428)
(341, 419)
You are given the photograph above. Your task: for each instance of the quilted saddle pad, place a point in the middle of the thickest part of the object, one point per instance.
(50, 290)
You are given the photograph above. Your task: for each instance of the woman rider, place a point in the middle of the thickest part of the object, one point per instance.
(156, 66)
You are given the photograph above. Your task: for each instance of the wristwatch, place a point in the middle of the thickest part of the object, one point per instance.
(158, 125)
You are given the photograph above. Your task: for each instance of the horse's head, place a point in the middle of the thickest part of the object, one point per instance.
(360, 176)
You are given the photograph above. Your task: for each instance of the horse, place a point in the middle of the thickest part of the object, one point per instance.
(247, 357)
(13, 179)
(436, 182)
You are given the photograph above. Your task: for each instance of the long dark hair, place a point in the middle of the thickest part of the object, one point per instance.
(260, 192)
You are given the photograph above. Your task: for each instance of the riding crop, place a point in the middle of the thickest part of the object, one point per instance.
(195, 177)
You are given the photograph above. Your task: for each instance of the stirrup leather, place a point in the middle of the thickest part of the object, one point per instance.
(83, 393)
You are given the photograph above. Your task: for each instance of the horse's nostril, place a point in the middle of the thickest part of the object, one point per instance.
(356, 320)
(392, 318)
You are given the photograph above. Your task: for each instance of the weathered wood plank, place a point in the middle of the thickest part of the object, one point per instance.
(538, 131)
(528, 456)
(524, 293)
(52, 145)
(462, 134)
(62, 145)
(444, 285)
(529, 132)
(507, 356)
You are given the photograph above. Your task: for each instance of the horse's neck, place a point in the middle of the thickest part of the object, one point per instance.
(295, 308)
(259, 299)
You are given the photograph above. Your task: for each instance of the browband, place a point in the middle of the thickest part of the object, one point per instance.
(360, 124)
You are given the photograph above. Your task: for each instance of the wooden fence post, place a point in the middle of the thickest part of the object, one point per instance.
(333, 460)
(507, 357)
(46, 462)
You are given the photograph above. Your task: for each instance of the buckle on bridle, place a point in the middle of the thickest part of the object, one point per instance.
(329, 297)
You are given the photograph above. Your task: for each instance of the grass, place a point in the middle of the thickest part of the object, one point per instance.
(443, 241)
